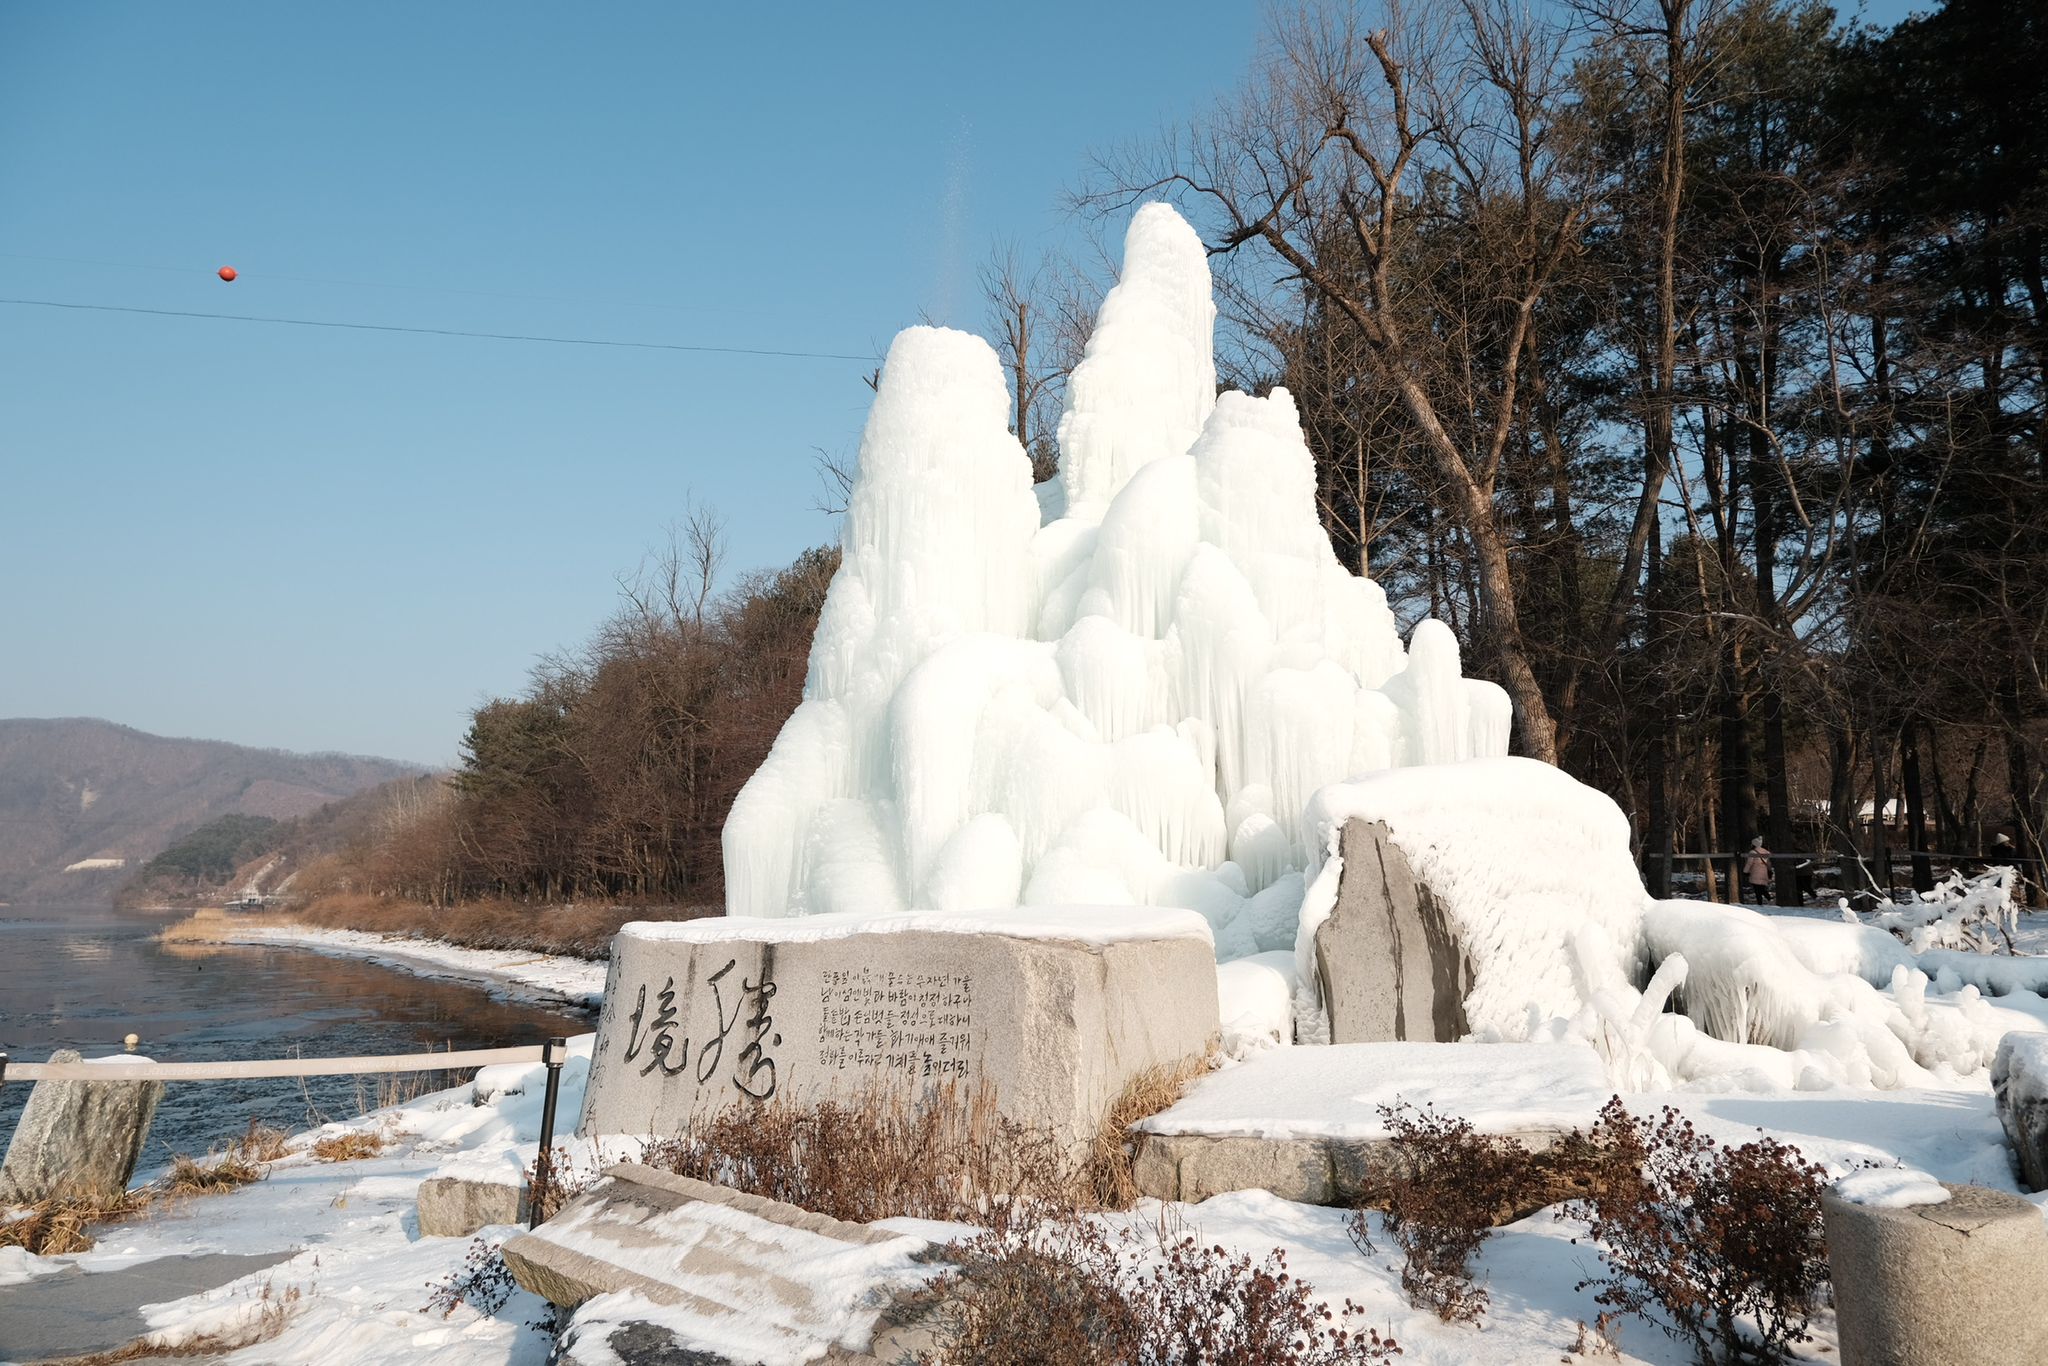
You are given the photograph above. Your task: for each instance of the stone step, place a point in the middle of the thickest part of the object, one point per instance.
(1306, 1124)
(724, 1274)
(1312, 1170)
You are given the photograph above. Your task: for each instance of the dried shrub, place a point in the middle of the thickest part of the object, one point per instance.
(1444, 1191)
(1033, 1295)
(483, 1282)
(1601, 1341)
(1109, 1164)
(349, 1147)
(876, 1154)
(565, 1178)
(1725, 1242)
(1066, 1292)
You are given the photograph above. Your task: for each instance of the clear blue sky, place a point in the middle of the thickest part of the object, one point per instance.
(322, 539)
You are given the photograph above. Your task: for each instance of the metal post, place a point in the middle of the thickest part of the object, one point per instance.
(552, 1055)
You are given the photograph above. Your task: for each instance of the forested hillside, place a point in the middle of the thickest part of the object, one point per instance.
(609, 778)
(87, 791)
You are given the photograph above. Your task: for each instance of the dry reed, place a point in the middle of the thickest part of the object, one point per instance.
(1116, 1147)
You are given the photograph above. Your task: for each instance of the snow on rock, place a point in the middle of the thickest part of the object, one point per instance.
(2019, 1080)
(1891, 1188)
(1124, 694)
(1532, 868)
(1336, 1092)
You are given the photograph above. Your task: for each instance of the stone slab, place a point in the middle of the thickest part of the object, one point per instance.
(455, 1206)
(1053, 1016)
(77, 1138)
(752, 1278)
(1955, 1284)
(1389, 961)
(1312, 1170)
(2019, 1082)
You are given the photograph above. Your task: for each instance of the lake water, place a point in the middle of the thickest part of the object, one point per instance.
(84, 977)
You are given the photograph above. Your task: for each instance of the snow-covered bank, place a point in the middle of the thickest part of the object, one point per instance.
(574, 982)
(355, 1282)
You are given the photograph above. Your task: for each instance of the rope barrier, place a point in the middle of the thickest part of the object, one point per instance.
(267, 1067)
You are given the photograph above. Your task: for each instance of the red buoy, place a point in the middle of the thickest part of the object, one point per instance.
(227, 273)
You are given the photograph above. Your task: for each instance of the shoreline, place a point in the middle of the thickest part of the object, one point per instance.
(550, 979)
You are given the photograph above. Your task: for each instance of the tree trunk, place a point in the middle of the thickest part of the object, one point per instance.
(1842, 808)
(1779, 783)
(1916, 811)
(1736, 796)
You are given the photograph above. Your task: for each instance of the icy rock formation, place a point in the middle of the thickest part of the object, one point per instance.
(1530, 866)
(1534, 872)
(1130, 704)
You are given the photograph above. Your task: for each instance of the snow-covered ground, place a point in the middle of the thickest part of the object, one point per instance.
(532, 976)
(356, 1273)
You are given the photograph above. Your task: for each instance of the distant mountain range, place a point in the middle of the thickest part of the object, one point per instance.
(83, 801)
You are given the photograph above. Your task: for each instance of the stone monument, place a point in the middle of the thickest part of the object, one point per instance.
(78, 1138)
(1390, 964)
(1054, 1011)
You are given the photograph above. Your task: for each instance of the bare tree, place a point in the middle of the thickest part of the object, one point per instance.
(1038, 320)
(1351, 157)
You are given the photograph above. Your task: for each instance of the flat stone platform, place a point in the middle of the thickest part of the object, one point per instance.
(1305, 1122)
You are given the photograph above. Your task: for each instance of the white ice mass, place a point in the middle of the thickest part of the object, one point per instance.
(1153, 684)
(1129, 703)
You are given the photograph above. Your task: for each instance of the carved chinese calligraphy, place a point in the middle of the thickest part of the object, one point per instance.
(668, 1051)
(918, 1022)
(703, 1016)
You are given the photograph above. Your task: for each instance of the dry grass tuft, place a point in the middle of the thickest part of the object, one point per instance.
(57, 1228)
(191, 1176)
(1153, 1090)
(349, 1147)
(263, 1142)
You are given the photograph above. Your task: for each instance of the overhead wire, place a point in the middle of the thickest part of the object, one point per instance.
(408, 286)
(441, 331)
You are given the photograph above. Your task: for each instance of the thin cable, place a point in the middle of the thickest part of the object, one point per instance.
(406, 285)
(439, 331)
